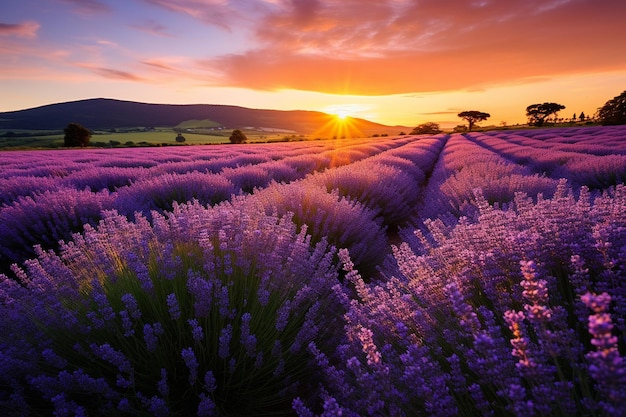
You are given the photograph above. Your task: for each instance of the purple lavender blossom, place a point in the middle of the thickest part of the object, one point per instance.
(151, 333)
(210, 384)
(192, 364)
(202, 291)
(606, 366)
(172, 306)
(162, 385)
(225, 337)
(131, 306)
(107, 353)
(247, 339)
(196, 330)
(206, 406)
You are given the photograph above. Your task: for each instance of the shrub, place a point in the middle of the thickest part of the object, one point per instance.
(76, 135)
(104, 178)
(237, 137)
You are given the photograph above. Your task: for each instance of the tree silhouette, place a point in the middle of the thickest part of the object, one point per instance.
(429, 128)
(614, 111)
(180, 138)
(538, 113)
(76, 135)
(237, 137)
(473, 116)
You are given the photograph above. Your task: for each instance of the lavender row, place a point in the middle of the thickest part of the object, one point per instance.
(390, 182)
(581, 164)
(353, 205)
(465, 166)
(598, 140)
(31, 172)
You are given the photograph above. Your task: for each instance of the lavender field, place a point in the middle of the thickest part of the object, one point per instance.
(456, 274)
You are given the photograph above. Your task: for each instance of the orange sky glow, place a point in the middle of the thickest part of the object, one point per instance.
(397, 62)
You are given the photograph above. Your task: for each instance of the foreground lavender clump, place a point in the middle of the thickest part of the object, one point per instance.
(204, 312)
(519, 312)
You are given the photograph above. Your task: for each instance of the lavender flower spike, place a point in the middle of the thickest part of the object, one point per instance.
(606, 366)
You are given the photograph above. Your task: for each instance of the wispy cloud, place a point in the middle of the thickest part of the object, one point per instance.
(106, 42)
(215, 12)
(87, 7)
(161, 64)
(440, 113)
(26, 29)
(116, 74)
(154, 28)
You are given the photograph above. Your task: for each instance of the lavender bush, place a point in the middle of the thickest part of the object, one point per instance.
(14, 187)
(161, 192)
(384, 189)
(45, 219)
(208, 312)
(344, 223)
(246, 178)
(104, 178)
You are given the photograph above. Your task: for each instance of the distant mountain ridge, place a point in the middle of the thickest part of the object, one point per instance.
(104, 113)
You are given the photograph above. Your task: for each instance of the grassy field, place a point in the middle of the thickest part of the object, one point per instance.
(33, 139)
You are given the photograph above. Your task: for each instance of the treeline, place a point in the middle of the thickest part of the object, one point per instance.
(612, 113)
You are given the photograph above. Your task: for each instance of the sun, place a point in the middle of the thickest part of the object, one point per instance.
(342, 114)
(342, 111)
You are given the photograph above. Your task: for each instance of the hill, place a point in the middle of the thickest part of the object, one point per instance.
(102, 113)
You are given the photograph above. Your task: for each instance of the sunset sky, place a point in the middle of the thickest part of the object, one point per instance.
(400, 62)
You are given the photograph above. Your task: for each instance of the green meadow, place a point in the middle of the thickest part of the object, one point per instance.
(194, 132)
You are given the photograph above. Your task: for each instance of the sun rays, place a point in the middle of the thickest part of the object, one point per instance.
(342, 121)
(339, 126)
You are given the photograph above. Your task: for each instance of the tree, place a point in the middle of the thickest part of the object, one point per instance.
(238, 137)
(614, 111)
(180, 138)
(429, 128)
(76, 135)
(473, 116)
(538, 113)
